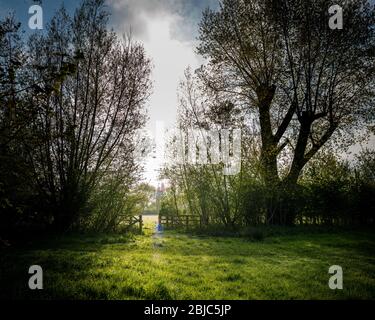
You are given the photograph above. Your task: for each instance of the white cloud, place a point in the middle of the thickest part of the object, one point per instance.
(155, 26)
(170, 58)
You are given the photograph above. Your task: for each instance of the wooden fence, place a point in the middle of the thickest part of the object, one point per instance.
(180, 221)
(133, 220)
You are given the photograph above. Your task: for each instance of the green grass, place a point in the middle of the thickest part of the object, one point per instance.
(183, 266)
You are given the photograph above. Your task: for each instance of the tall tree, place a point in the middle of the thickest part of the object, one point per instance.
(87, 118)
(302, 81)
(73, 100)
(14, 188)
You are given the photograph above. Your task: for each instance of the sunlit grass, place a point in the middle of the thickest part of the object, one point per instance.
(182, 266)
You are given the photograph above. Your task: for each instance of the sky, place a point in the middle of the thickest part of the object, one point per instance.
(167, 28)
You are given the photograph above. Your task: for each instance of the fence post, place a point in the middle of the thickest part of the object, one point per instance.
(140, 224)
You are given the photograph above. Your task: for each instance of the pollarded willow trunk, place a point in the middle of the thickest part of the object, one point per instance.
(271, 179)
(282, 198)
(289, 188)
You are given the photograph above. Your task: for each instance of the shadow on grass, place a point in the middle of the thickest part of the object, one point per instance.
(67, 259)
(191, 266)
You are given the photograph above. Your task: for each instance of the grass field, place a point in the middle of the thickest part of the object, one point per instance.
(181, 266)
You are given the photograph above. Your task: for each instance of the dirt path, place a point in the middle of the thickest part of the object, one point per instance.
(151, 222)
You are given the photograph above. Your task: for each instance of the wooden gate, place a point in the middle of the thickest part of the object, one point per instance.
(133, 220)
(180, 221)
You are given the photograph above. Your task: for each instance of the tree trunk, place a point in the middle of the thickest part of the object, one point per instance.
(269, 151)
(289, 187)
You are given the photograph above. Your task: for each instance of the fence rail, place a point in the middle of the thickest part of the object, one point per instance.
(184, 221)
(133, 220)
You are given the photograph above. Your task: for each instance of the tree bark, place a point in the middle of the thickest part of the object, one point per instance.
(269, 146)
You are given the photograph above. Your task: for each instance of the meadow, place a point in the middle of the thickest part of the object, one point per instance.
(176, 265)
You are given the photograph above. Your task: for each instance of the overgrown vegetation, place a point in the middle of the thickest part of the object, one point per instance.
(300, 93)
(72, 99)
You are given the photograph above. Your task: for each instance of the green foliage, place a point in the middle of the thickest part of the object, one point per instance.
(330, 192)
(68, 123)
(113, 203)
(338, 193)
(296, 113)
(167, 208)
